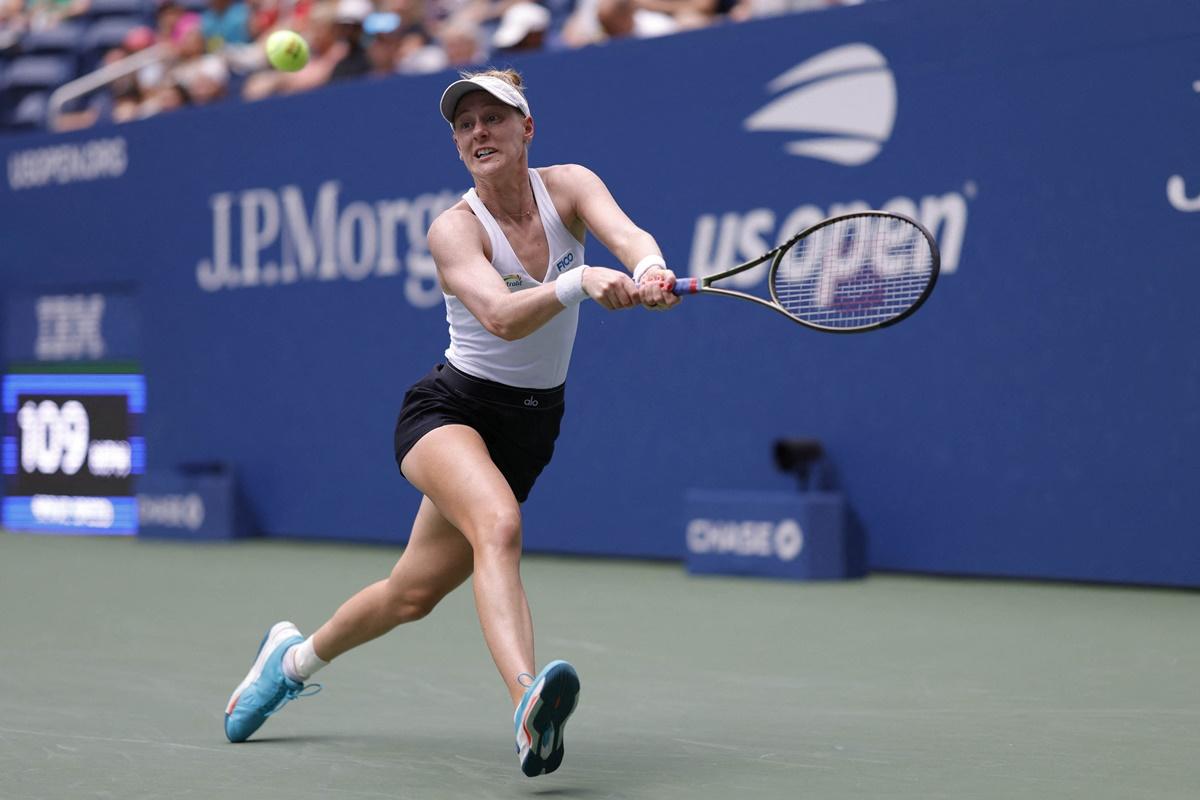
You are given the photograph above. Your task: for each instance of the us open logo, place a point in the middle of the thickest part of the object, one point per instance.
(844, 99)
(1177, 194)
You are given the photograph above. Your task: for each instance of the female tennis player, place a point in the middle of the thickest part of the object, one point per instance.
(475, 433)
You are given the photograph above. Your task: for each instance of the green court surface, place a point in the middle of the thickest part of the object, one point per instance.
(117, 658)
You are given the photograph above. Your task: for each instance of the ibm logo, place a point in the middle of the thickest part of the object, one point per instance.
(69, 327)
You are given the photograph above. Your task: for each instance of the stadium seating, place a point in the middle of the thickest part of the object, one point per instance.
(30, 113)
(103, 35)
(120, 8)
(30, 75)
(65, 37)
(104, 24)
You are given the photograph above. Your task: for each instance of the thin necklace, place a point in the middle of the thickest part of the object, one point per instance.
(521, 215)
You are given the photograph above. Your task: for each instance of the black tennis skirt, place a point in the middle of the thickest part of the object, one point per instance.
(519, 426)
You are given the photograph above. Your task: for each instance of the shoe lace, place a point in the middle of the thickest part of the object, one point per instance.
(288, 694)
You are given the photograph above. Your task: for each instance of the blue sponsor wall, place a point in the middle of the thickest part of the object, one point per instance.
(1039, 416)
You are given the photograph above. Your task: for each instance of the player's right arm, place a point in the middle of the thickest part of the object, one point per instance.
(456, 243)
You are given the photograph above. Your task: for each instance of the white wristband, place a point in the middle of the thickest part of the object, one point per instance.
(645, 265)
(568, 287)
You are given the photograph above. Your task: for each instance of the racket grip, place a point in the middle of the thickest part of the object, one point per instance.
(686, 286)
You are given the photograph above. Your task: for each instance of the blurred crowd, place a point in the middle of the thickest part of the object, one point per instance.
(211, 50)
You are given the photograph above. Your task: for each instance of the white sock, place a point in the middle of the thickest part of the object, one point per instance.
(300, 662)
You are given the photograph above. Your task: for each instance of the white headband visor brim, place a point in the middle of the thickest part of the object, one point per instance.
(498, 88)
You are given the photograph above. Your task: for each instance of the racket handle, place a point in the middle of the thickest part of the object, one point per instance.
(686, 286)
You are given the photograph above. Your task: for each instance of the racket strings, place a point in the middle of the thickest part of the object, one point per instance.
(858, 272)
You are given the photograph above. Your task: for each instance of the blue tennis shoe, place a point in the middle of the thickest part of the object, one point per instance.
(265, 688)
(542, 715)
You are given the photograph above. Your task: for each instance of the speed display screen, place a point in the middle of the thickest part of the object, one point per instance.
(71, 450)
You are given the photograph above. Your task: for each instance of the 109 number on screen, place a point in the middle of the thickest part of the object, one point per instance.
(57, 438)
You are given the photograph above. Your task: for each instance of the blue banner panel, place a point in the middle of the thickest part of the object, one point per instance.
(1036, 417)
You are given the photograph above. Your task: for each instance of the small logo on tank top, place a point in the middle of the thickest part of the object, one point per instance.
(513, 281)
(564, 262)
(531, 402)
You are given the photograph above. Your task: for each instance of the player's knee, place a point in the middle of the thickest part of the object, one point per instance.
(412, 604)
(499, 534)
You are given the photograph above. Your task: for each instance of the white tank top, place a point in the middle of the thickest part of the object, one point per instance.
(540, 360)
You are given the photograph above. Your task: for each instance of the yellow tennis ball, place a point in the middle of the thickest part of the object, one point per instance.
(287, 50)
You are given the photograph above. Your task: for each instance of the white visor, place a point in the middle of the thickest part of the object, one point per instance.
(498, 88)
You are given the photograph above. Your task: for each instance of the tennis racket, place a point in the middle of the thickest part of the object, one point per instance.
(848, 274)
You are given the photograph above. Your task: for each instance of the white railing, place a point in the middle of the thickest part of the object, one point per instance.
(101, 78)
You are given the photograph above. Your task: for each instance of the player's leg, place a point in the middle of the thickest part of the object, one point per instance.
(451, 466)
(436, 562)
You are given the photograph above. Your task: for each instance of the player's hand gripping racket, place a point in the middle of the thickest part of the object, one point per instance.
(856, 272)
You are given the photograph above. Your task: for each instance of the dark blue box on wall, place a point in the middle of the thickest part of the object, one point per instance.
(803, 536)
(191, 504)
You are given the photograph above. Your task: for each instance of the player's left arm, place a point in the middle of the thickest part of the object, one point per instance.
(593, 203)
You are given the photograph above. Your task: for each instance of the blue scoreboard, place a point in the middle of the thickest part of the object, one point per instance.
(73, 397)
(71, 449)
